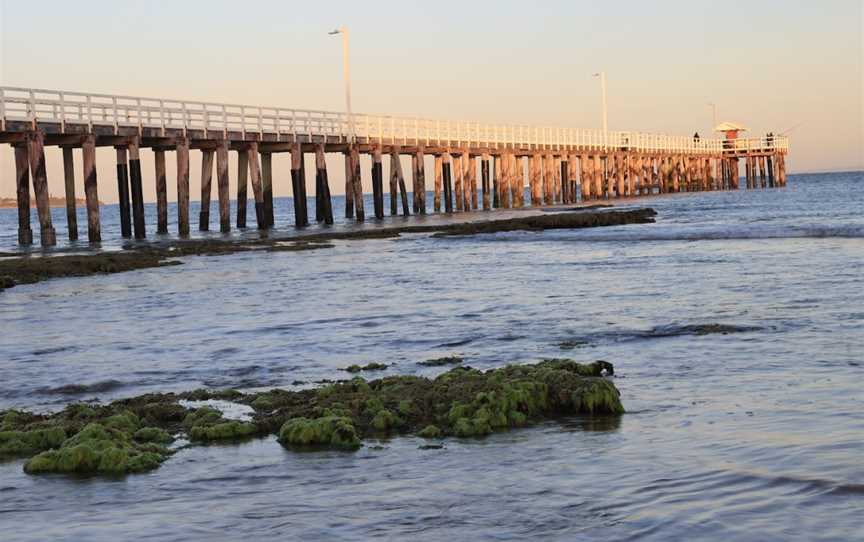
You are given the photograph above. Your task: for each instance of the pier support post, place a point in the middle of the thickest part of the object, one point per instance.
(496, 181)
(136, 189)
(222, 186)
(242, 184)
(484, 181)
(506, 179)
(123, 192)
(565, 179)
(22, 191)
(267, 187)
(762, 180)
(472, 182)
(91, 195)
(556, 179)
(36, 152)
(548, 180)
(183, 186)
(446, 168)
(536, 179)
(436, 202)
(619, 173)
(206, 183)
(397, 181)
(459, 194)
(257, 189)
(770, 166)
(298, 187)
(584, 177)
(349, 184)
(466, 181)
(377, 183)
(323, 202)
(357, 185)
(161, 192)
(69, 178)
(598, 177)
(782, 169)
(420, 180)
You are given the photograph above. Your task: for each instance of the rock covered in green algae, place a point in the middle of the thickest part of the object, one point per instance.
(24, 443)
(98, 449)
(329, 431)
(440, 362)
(374, 366)
(207, 424)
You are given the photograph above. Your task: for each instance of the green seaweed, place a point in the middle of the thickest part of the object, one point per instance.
(329, 431)
(374, 366)
(226, 430)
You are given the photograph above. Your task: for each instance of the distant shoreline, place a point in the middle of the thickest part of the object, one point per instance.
(53, 201)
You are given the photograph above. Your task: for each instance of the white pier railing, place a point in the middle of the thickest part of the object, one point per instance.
(63, 107)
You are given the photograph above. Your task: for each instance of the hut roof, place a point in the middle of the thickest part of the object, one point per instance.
(729, 126)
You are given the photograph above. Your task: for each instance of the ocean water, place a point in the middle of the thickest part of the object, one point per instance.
(756, 434)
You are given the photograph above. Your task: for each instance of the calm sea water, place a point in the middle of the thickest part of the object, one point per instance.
(756, 435)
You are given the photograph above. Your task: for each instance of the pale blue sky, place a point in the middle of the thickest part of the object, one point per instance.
(768, 64)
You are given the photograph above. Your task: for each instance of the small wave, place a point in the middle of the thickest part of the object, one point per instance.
(657, 332)
(79, 389)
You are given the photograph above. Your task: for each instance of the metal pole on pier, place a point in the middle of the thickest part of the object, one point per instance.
(346, 73)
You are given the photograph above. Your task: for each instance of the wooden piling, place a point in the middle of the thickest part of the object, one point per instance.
(88, 154)
(22, 185)
(466, 180)
(557, 181)
(439, 179)
(459, 190)
(762, 179)
(535, 179)
(69, 178)
(548, 179)
(472, 180)
(36, 153)
(496, 182)
(584, 177)
(506, 179)
(357, 185)
(136, 189)
(257, 188)
(242, 183)
(322, 187)
(598, 177)
(182, 146)
(420, 180)
(397, 180)
(221, 186)
(298, 187)
(161, 192)
(349, 185)
(267, 186)
(206, 182)
(446, 168)
(377, 183)
(123, 192)
(782, 169)
(484, 180)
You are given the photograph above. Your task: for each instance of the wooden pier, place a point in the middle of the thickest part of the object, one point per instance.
(560, 165)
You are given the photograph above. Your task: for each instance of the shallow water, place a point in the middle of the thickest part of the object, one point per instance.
(752, 434)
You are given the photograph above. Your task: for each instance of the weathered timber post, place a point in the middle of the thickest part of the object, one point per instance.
(556, 179)
(517, 181)
(323, 202)
(747, 176)
(420, 180)
(782, 169)
(357, 185)
(36, 152)
(466, 180)
(472, 175)
(123, 192)
(182, 146)
(161, 192)
(718, 174)
(298, 186)
(459, 194)
(22, 185)
(267, 187)
(439, 172)
(770, 166)
(484, 181)
(88, 153)
(136, 189)
(242, 183)
(206, 183)
(69, 178)
(222, 186)
(496, 182)
(584, 180)
(377, 182)
(532, 178)
(349, 184)
(548, 180)
(565, 179)
(598, 176)
(257, 189)
(762, 179)
(619, 174)
(446, 166)
(507, 180)
(397, 180)
(571, 179)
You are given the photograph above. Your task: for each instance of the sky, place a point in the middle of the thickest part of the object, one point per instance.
(772, 65)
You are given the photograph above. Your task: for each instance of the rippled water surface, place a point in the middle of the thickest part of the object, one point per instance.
(752, 432)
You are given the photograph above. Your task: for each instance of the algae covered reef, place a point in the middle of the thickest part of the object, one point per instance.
(138, 434)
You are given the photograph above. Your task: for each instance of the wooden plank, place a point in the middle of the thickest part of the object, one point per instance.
(69, 178)
(88, 154)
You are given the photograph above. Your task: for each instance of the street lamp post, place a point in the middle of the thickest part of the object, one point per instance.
(602, 76)
(346, 74)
